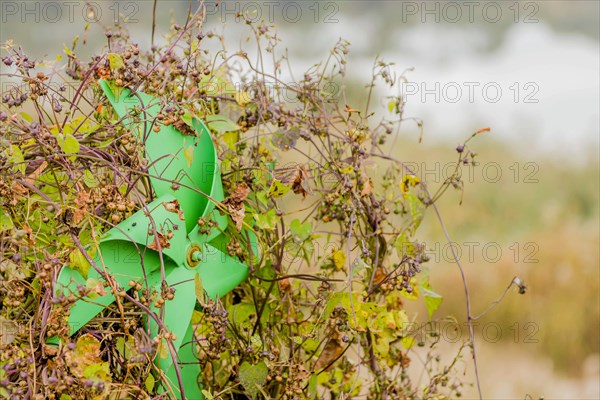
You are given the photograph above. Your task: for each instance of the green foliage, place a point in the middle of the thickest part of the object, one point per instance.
(322, 313)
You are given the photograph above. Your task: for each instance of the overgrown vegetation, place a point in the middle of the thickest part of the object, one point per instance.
(322, 313)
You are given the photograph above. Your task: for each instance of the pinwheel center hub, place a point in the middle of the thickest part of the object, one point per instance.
(194, 256)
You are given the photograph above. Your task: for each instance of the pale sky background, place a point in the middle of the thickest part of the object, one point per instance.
(547, 52)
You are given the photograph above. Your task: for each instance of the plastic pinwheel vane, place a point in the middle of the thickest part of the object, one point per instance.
(162, 246)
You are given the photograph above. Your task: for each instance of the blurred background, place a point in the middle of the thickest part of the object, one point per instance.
(530, 71)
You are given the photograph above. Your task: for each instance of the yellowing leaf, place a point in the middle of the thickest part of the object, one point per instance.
(98, 372)
(149, 383)
(68, 51)
(382, 344)
(126, 348)
(390, 321)
(339, 259)
(277, 189)
(194, 45)
(414, 295)
(407, 181)
(391, 105)
(242, 98)
(163, 349)
(70, 145)
(348, 170)
(188, 153)
(206, 85)
(116, 61)
(199, 289)
(404, 246)
(79, 263)
(26, 116)
(81, 124)
(85, 360)
(408, 342)
(230, 139)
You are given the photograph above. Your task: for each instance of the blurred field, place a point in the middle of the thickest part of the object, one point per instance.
(538, 221)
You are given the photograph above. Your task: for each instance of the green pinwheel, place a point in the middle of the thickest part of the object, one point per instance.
(163, 246)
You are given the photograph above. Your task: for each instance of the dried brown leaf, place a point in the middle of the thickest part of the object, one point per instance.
(19, 189)
(237, 215)
(81, 209)
(9, 331)
(367, 188)
(173, 206)
(159, 238)
(240, 193)
(380, 275)
(235, 204)
(333, 349)
(31, 178)
(298, 178)
(284, 285)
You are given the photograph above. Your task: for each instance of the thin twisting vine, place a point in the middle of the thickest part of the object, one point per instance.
(322, 313)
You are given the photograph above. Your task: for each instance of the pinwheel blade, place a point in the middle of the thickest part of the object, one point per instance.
(111, 260)
(125, 254)
(189, 160)
(176, 316)
(220, 272)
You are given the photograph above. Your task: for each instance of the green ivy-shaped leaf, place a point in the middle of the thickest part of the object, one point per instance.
(5, 221)
(68, 144)
(89, 179)
(221, 123)
(432, 299)
(301, 230)
(253, 377)
(266, 220)
(15, 157)
(126, 348)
